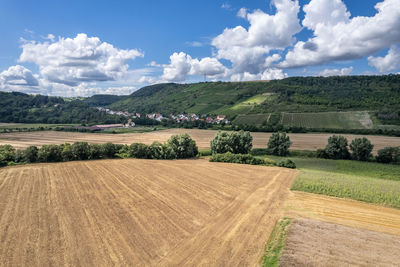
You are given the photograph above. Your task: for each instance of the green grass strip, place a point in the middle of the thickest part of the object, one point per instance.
(276, 243)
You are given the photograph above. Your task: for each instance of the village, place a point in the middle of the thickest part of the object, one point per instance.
(178, 118)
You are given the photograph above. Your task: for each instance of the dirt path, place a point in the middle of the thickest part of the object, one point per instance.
(138, 212)
(345, 212)
(202, 138)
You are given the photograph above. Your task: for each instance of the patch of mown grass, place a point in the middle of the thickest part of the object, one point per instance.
(276, 243)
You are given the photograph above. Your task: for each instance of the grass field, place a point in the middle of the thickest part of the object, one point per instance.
(363, 181)
(331, 120)
(252, 119)
(139, 212)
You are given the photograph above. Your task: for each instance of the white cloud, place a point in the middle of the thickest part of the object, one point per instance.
(268, 74)
(19, 78)
(226, 6)
(194, 44)
(242, 13)
(181, 65)
(387, 63)
(81, 59)
(338, 37)
(247, 48)
(336, 72)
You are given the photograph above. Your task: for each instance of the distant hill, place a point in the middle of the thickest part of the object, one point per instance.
(380, 94)
(102, 100)
(23, 108)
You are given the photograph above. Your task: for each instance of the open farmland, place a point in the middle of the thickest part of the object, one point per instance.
(202, 138)
(139, 212)
(330, 120)
(317, 243)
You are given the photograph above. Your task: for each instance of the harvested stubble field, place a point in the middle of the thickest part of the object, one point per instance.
(317, 243)
(139, 212)
(202, 138)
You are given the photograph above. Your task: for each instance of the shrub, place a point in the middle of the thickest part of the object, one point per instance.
(31, 154)
(138, 150)
(80, 150)
(286, 163)
(235, 142)
(279, 144)
(123, 151)
(183, 146)
(160, 151)
(259, 151)
(361, 149)
(269, 162)
(109, 150)
(321, 153)
(19, 156)
(337, 148)
(66, 152)
(388, 155)
(7, 154)
(95, 151)
(50, 153)
(236, 158)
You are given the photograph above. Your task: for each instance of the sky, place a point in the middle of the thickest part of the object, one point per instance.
(80, 48)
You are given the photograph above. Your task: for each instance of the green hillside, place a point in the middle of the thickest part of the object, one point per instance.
(252, 102)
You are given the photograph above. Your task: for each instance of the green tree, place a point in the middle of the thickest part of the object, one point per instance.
(95, 151)
(80, 150)
(388, 155)
(138, 150)
(66, 153)
(183, 146)
(7, 154)
(337, 147)
(279, 144)
(235, 142)
(109, 150)
(361, 149)
(50, 153)
(30, 154)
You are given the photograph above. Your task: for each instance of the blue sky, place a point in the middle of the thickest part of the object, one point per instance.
(82, 48)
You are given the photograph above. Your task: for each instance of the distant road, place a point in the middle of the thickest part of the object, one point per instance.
(301, 141)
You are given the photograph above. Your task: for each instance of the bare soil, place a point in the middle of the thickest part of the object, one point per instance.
(138, 213)
(202, 138)
(317, 243)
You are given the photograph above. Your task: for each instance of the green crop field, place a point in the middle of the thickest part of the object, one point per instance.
(332, 120)
(251, 119)
(364, 181)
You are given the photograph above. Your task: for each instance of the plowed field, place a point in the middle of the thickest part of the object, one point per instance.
(202, 138)
(138, 212)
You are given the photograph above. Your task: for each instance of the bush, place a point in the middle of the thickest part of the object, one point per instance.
(269, 162)
(109, 150)
(50, 153)
(7, 154)
(279, 144)
(160, 151)
(361, 149)
(183, 146)
(337, 148)
(286, 163)
(138, 150)
(66, 152)
(388, 155)
(235, 142)
(95, 151)
(236, 158)
(30, 154)
(259, 151)
(321, 153)
(80, 151)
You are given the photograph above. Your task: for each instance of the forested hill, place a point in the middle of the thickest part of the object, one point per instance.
(19, 107)
(296, 94)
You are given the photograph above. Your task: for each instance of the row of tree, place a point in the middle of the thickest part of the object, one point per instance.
(177, 147)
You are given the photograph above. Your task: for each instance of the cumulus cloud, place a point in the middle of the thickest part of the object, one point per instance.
(339, 37)
(247, 48)
(336, 72)
(242, 13)
(181, 65)
(387, 63)
(268, 74)
(71, 61)
(19, 78)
